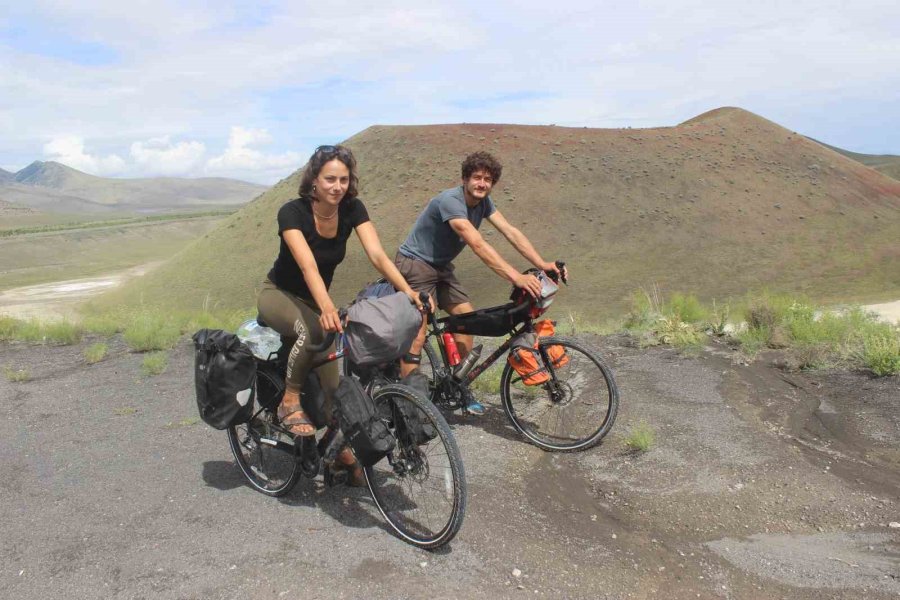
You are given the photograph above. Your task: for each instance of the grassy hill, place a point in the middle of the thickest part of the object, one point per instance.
(54, 186)
(724, 203)
(888, 164)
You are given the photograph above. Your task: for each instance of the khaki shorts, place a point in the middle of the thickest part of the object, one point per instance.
(439, 282)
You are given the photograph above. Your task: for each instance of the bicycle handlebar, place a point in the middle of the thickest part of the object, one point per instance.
(324, 345)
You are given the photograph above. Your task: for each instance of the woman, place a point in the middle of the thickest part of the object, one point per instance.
(294, 301)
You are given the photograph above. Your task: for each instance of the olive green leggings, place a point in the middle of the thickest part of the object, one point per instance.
(297, 320)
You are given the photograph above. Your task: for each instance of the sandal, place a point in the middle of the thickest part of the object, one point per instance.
(291, 415)
(347, 462)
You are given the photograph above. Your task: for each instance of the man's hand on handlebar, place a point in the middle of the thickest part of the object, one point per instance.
(422, 301)
(557, 270)
(529, 283)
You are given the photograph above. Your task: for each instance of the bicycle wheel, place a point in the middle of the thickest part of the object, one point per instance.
(266, 456)
(572, 411)
(420, 487)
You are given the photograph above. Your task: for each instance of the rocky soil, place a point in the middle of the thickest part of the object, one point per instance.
(762, 483)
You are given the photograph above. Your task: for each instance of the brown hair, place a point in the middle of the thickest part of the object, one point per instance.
(482, 161)
(322, 155)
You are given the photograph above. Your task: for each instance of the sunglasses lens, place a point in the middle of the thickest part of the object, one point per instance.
(326, 149)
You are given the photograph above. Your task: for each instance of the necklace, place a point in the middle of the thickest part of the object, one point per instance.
(324, 218)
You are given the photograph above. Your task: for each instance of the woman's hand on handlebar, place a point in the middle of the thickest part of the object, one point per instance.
(330, 320)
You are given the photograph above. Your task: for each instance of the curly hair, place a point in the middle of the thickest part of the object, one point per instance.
(482, 161)
(322, 155)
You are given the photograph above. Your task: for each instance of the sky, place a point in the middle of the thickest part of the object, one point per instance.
(249, 89)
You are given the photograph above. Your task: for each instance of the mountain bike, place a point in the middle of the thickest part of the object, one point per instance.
(573, 410)
(419, 488)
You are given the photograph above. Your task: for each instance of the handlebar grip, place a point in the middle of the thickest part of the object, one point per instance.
(425, 301)
(324, 345)
(561, 265)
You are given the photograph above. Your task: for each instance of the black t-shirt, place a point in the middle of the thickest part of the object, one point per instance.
(328, 252)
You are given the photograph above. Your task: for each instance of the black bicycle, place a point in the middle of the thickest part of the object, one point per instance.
(573, 410)
(419, 488)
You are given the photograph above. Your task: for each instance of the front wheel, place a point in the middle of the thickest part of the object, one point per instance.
(572, 411)
(420, 487)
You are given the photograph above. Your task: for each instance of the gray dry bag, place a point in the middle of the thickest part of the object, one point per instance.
(380, 330)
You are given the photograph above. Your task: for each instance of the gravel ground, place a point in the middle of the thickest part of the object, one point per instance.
(761, 484)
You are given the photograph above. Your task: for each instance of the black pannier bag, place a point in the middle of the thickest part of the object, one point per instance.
(416, 422)
(367, 434)
(224, 377)
(312, 399)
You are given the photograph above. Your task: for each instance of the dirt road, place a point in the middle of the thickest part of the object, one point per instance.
(761, 484)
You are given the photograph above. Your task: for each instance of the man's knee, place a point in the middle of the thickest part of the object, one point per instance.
(458, 309)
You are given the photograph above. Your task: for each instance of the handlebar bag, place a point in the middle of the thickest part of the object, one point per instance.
(525, 359)
(224, 378)
(368, 435)
(380, 330)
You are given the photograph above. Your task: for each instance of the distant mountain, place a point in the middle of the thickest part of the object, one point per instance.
(721, 204)
(50, 185)
(888, 164)
(6, 176)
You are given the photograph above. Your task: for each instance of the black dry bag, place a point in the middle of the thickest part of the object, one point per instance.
(225, 378)
(368, 435)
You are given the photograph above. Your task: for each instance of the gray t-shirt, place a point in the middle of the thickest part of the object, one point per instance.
(432, 239)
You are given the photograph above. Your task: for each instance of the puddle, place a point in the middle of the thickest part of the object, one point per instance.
(58, 300)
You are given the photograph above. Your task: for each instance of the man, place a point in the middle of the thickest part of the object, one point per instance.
(448, 224)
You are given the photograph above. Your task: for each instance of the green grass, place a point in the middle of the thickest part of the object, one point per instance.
(155, 363)
(64, 333)
(125, 411)
(8, 328)
(881, 353)
(17, 375)
(489, 381)
(814, 338)
(152, 331)
(640, 437)
(95, 352)
(106, 325)
(188, 422)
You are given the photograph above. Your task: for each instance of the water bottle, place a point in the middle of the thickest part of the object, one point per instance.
(466, 365)
(262, 341)
(452, 350)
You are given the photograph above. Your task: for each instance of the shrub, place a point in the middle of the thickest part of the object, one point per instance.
(675, 332)
(881, 352)
(63, 332)
(148, 331)
(155, 363)
(640, 437)
(95, 353)
(686, 307)
(9, 328)
(103, 324)
(17, 375)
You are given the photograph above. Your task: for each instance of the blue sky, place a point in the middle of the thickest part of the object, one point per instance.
(247, 90)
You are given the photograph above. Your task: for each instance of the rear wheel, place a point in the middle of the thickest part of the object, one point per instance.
(265, 454)
(420, 487)
(572, 411)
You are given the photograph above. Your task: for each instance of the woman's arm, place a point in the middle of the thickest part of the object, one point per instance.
(372, 245)
(300, 250)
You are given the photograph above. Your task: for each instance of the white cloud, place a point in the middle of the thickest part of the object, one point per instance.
(319, 72)
(69, 150)
(240, 157)
(159, 156)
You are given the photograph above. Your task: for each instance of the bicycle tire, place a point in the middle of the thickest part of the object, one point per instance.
(551, 415)
(266, 456)
(419, 489)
